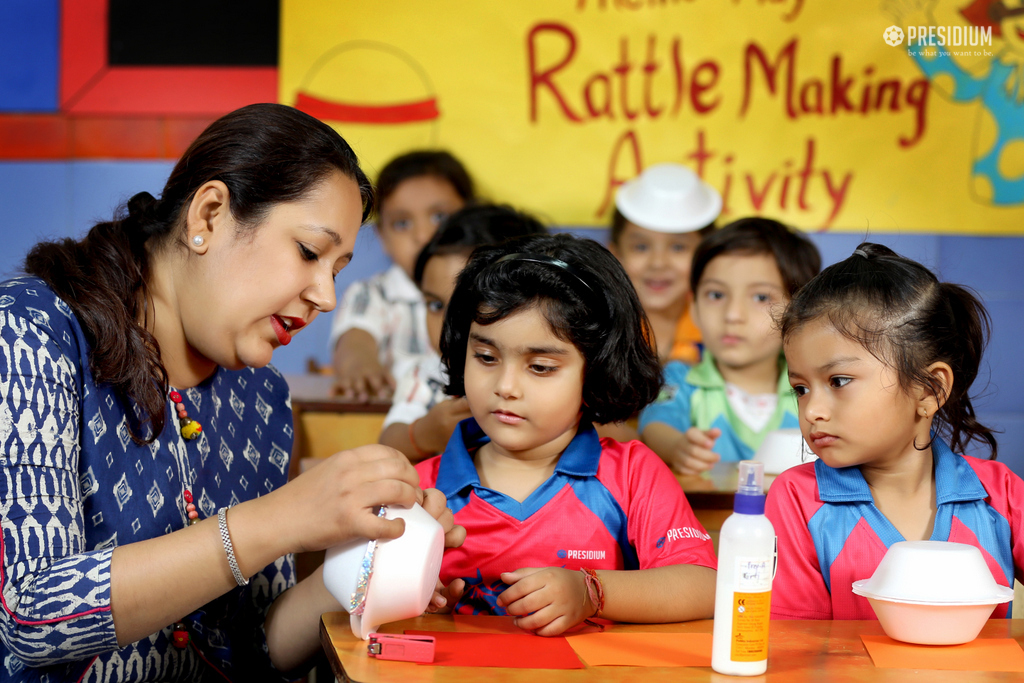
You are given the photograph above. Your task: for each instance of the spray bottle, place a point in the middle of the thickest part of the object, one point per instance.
(746, 566)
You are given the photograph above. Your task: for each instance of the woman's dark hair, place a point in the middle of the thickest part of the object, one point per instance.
(439, 164)
(586, 297)
(619, 225)
(796, 256)
(900, 312)
(475, 226)
(265, 154)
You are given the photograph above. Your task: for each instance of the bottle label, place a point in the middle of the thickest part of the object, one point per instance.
(750, 615)
(754, 574)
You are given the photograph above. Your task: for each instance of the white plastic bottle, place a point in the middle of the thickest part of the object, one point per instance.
(746, 566)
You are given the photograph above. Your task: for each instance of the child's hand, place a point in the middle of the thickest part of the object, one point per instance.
(369, 381)
(436, 427)
(546, 600)
(358, 373)
(445, 597)
(693, 453)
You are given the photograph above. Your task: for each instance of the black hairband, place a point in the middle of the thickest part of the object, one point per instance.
(546, 260)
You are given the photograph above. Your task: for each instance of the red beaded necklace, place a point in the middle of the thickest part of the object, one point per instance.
(190, 429)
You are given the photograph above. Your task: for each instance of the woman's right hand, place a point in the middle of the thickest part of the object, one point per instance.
(336, 501)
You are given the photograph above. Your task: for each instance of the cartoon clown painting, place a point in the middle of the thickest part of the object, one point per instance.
(996, 83)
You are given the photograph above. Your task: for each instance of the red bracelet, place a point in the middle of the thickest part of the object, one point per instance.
(412, 439)
(595, 589)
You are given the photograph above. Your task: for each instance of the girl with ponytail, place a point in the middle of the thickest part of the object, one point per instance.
(882, 356)
(146, 522)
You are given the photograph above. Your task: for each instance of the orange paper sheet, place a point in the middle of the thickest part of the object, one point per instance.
(643, 649)
(981, 654)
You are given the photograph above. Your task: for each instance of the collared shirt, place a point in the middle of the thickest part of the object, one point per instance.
(696, 397)
(608, 505)
(831, 534)
(390, 308)
(686, 344)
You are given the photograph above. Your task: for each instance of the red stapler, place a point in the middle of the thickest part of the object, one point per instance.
(402, 648)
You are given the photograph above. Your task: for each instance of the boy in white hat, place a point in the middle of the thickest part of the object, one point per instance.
(660, 218)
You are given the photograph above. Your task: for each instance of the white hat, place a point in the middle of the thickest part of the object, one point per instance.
(378, 582)
(668, 198)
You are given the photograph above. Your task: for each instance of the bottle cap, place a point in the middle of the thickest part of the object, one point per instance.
(749, 499)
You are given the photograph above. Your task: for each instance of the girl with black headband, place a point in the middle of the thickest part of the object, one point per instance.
(545, 336)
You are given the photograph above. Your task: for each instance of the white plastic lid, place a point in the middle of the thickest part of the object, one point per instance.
(933, 572)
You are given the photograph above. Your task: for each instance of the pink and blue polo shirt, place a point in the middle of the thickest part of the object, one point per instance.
(608, 505)
(831, 534)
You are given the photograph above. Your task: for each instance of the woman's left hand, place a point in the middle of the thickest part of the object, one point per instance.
(546, 600)
(436, 504)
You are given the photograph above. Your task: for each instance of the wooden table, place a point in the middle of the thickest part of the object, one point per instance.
(799, 651)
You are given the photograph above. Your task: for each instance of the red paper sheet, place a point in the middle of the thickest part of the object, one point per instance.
(506, 650)
(981, 654)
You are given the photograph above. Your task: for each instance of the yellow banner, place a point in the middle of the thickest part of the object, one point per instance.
(826, 114)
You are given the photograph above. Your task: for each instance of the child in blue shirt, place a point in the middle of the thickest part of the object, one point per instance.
(722, 408)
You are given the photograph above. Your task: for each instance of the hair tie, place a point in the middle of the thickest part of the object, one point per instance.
(142, 221)
(545, 260)
(860, 252)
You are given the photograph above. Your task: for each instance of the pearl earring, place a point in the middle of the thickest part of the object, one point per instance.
(198, 240)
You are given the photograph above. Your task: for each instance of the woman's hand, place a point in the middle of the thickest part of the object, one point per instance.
(546, 600)
(337, 500)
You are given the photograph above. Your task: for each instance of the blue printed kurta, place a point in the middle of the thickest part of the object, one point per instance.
(73, 485)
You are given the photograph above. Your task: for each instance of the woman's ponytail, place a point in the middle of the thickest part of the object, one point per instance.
(102, 278)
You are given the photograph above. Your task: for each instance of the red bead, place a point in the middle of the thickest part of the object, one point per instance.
(175, 396)
(187, 495)
(179, 637)
(193, 514)
(190, 507)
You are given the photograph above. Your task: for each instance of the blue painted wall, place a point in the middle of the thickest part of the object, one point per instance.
(46, 200)
(29, 31)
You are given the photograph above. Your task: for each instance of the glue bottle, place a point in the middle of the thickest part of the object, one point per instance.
(746, 566)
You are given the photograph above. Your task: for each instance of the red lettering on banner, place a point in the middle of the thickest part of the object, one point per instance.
(771, 72)
(537, 79)
(775, 186)
(614, 180)
(834, 97)
(609, 93)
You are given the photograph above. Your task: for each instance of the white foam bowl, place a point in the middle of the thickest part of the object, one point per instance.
(935, 624)
(782, 449)
(932, 592)
(405, 571)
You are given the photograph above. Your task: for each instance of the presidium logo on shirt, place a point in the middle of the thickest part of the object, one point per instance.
(682, 532)
(581, 554)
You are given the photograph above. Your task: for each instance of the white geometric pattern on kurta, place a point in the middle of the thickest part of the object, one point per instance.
(73, 485)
